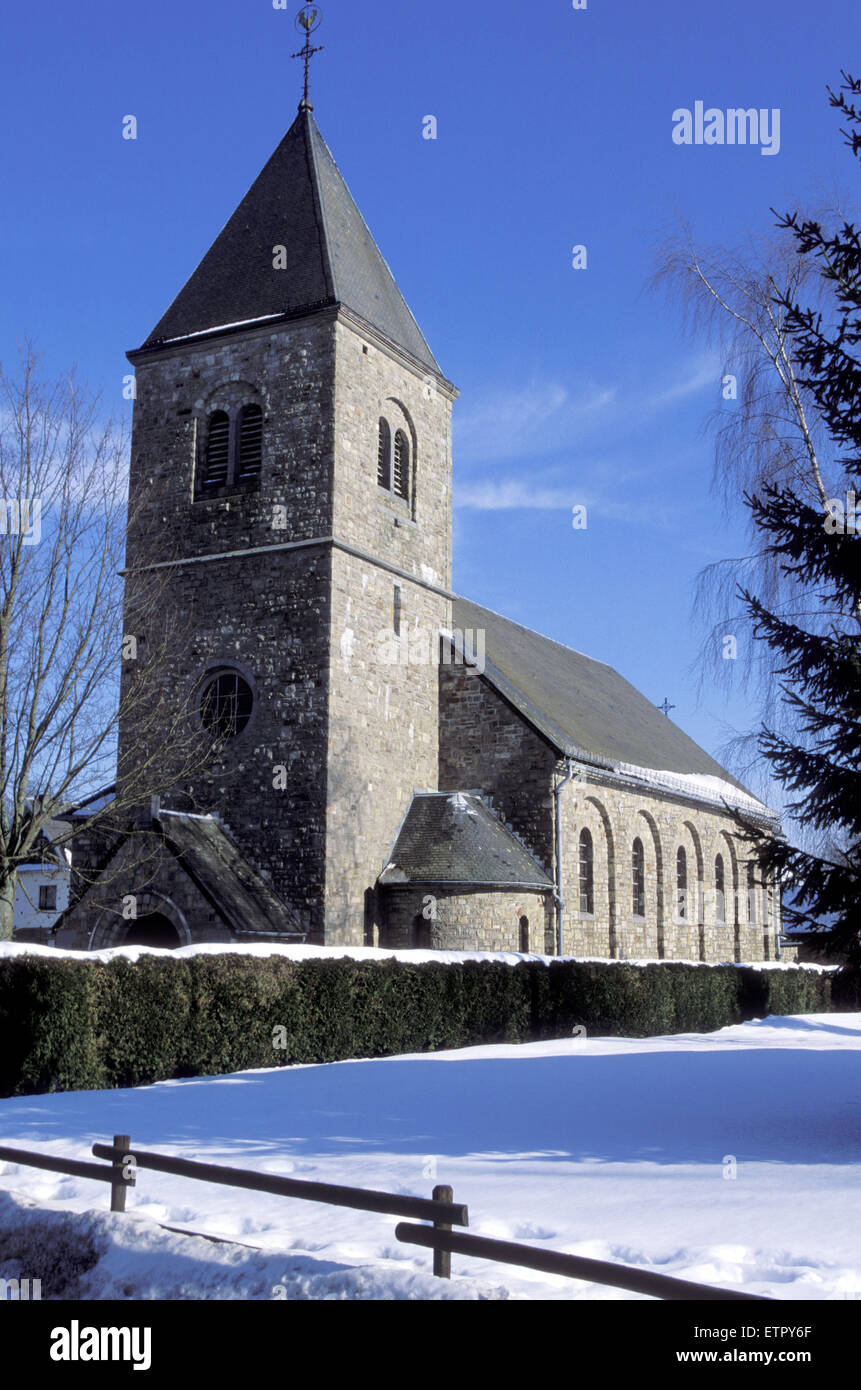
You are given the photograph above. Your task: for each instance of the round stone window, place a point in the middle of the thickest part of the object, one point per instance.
(225, 707)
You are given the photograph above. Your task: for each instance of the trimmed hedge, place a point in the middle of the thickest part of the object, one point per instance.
(81, 1025)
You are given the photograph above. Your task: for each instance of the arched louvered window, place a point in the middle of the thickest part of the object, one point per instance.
(720, 900)
(232, 449)
(587, 893)
(682, 882)
(384, 455)
(751, 891)
(250, 442)
(217, 450)
(401, 483)
(638, 879)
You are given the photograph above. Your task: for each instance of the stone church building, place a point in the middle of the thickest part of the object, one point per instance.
(396, 765)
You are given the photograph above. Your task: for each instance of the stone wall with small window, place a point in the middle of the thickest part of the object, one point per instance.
(287, 372)
(446, 918)
(253, 635)
(382, 730)
(410, 528)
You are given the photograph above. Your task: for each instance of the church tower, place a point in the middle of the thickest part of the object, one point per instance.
(291, 487)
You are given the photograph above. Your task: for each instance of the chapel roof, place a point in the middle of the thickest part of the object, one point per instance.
(455, 838)
(217, 867)
(301, 202)
(586, 710)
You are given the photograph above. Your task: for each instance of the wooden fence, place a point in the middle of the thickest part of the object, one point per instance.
(440, 1210)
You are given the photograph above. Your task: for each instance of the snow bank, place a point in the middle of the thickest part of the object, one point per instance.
(115, 1255)
(411, 957)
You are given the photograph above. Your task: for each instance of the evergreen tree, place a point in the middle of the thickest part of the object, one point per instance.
(819, 552)
(822, 683)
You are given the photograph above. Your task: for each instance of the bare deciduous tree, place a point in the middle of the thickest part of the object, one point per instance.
(768, 433)
(63, 643)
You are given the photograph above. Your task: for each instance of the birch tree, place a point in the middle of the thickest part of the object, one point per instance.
(766, 432)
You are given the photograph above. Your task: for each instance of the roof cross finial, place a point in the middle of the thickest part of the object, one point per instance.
(307, 20)
(666, 707)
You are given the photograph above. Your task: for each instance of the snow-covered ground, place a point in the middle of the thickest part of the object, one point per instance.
(732, 1158)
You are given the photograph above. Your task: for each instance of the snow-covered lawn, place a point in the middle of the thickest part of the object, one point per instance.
(732, 1158)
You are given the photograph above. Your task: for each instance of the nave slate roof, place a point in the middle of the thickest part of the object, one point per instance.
(301, 202)
(586, 710)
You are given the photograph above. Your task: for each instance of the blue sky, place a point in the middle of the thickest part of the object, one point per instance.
(554, 129)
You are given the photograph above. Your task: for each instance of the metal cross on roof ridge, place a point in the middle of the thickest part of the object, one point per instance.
(666, 706)
(307, 20)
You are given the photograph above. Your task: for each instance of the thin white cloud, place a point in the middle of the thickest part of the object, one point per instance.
(706, 372)
(535, 420)
(512, 494)
(544, 417)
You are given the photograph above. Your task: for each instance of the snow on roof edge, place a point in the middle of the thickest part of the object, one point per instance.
(702, 786)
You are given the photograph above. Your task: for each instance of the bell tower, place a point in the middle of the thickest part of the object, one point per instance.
(291, 483)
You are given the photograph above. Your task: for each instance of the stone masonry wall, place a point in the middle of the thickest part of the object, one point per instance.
(486, 745)
(289, 372)
(268, 619)
(382, 737)
(615, 816)
(442, 918)
(413, 534)
(264, 614)
(383, 701)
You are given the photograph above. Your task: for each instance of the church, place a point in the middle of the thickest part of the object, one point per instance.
(395, 765)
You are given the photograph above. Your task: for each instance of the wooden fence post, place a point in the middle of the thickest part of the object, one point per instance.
(442, 1258)
(118, 1180)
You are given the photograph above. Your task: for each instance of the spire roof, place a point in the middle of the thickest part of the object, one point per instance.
(301, 202)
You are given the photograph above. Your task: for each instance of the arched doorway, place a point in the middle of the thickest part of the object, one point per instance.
(153, 930)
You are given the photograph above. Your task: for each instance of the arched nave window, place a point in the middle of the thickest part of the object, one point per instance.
(720, 900)
(587, 893)
(682, 882)
(638, 876)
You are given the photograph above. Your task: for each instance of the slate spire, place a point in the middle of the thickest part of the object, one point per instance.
(299, 202)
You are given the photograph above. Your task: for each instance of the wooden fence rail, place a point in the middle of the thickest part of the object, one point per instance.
(76, 1168)
(571, 1266)
(363, 1199)
(441, 1210)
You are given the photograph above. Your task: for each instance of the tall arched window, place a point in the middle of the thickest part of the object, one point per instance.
(638, 879)
(401, 478)
(250, 441)
(682, 882)
(587, 894)
(384, 455)
(720, 901)
(217, 449)
(751, 891)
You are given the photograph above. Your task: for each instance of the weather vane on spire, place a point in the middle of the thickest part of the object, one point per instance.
(307, 20)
